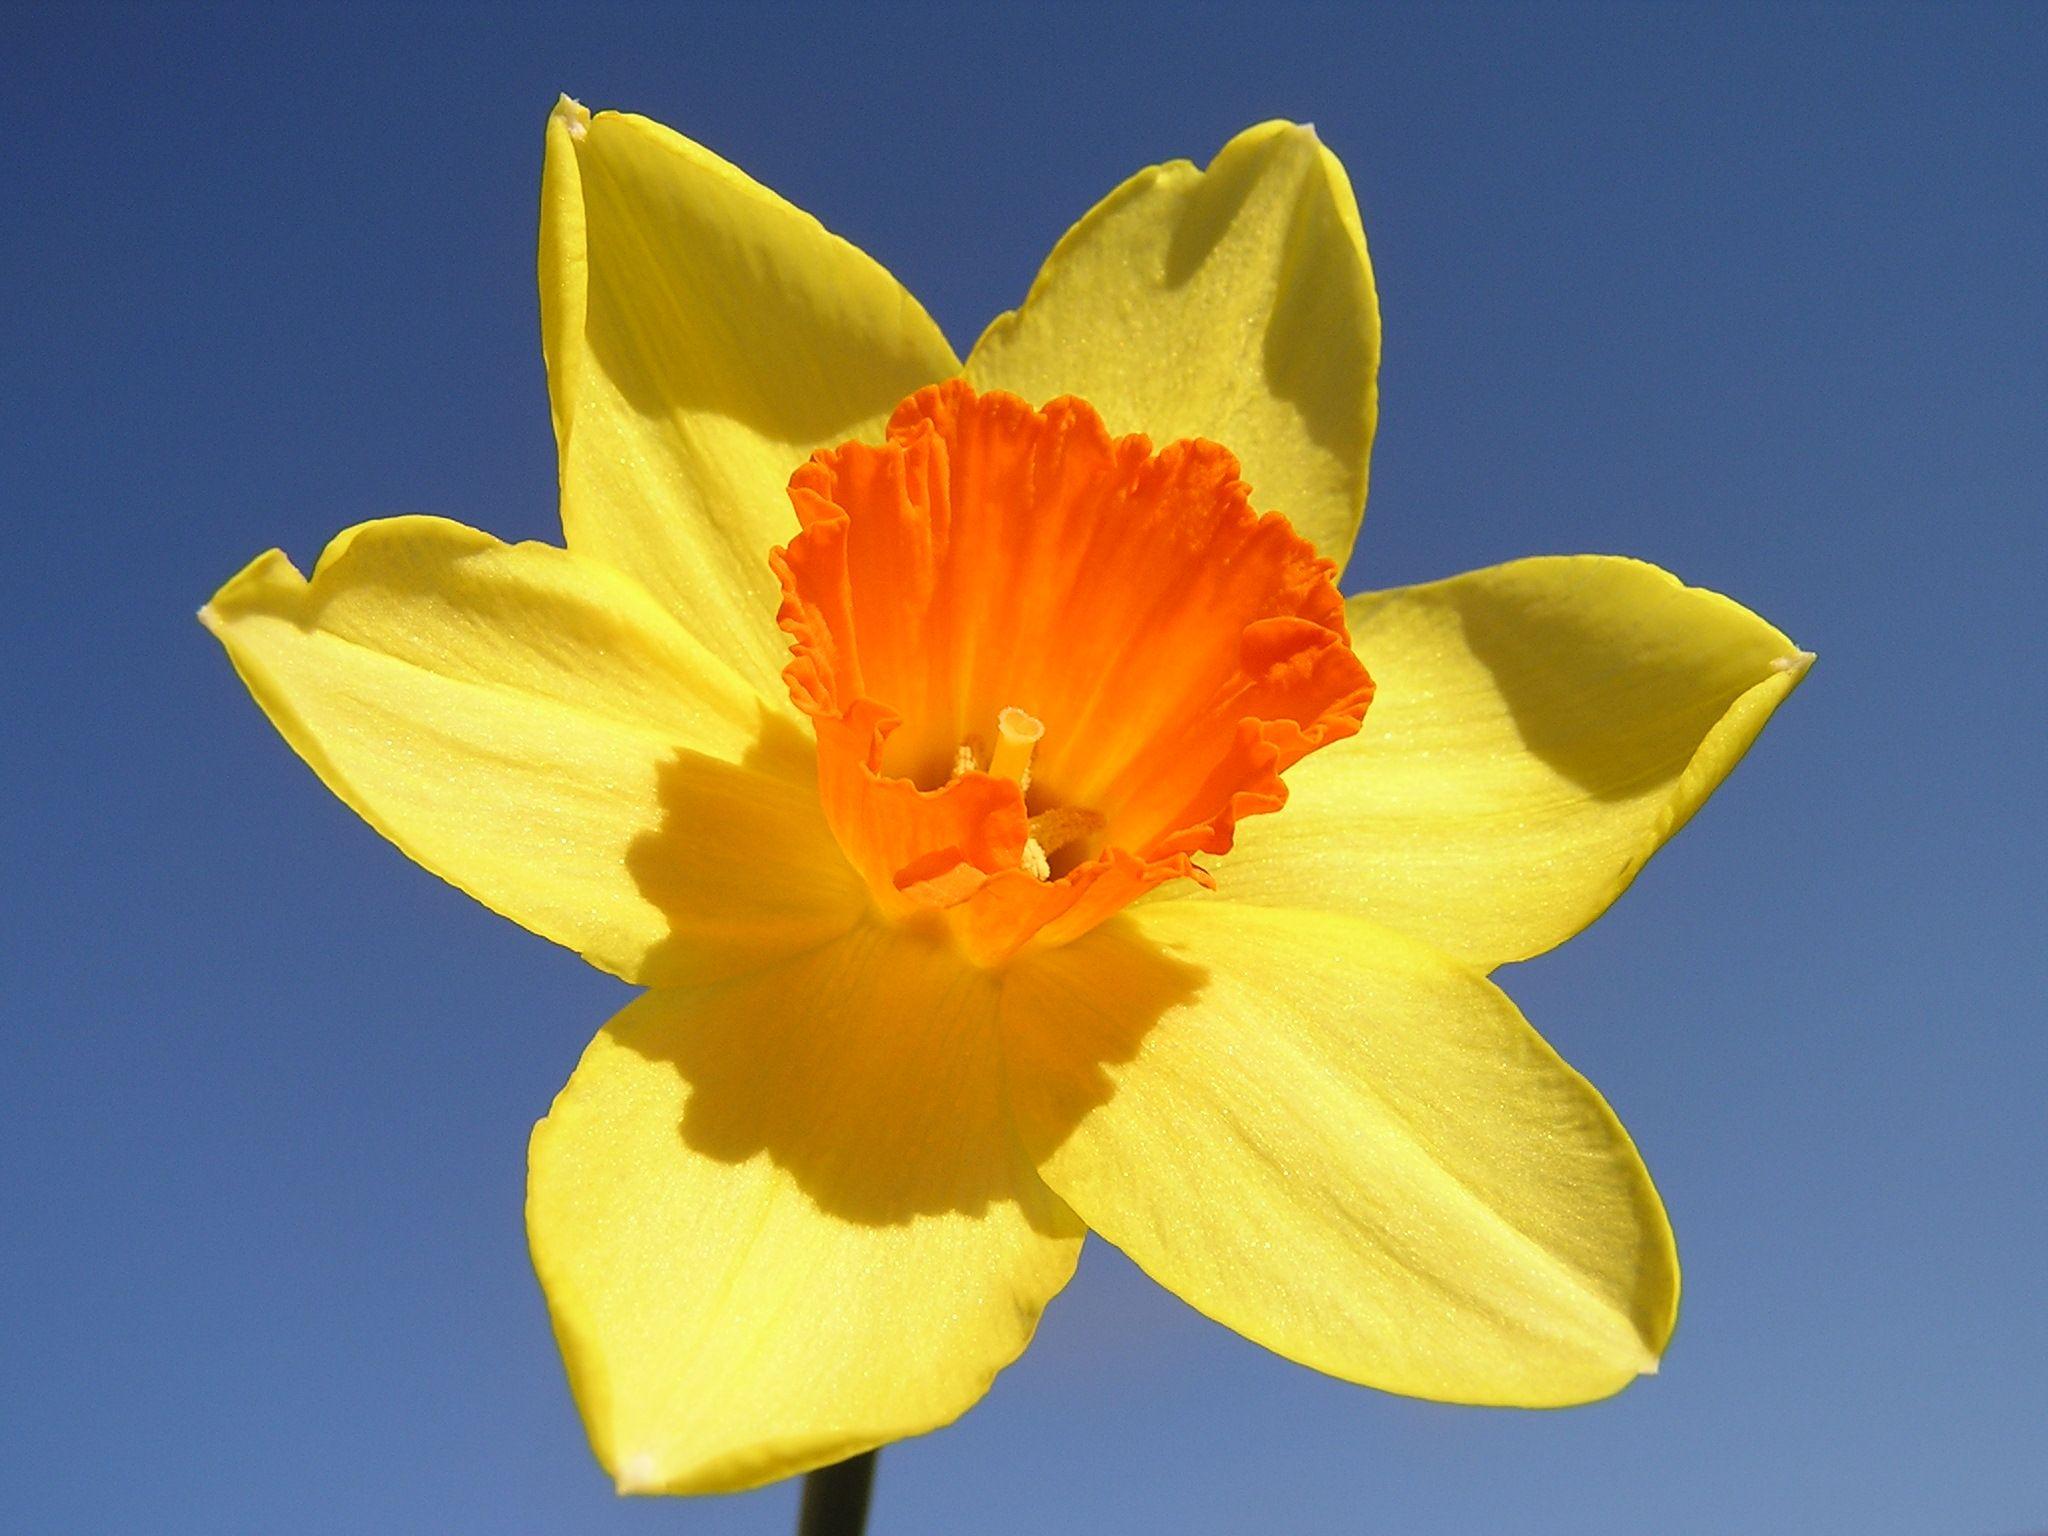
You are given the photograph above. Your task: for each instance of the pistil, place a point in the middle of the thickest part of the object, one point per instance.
(1017, 736)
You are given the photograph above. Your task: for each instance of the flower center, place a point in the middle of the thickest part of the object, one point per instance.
(1048, 667)
(1054, 831)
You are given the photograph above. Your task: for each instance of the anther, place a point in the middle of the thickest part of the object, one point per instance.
(1036, 864)
(1064, 825)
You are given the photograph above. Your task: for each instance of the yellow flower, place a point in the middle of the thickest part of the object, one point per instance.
(909, 1028)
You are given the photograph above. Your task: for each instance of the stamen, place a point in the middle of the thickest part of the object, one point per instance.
(1017, 734)
(1064, 824)
(1055, 829)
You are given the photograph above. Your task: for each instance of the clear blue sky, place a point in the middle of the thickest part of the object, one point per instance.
(1758, 294)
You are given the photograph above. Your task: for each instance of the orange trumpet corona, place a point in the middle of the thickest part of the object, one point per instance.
(1048, 667)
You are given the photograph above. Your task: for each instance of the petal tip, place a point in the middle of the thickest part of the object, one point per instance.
(573, 114)
(269, 573)
(637, 1474)
(1795, 664)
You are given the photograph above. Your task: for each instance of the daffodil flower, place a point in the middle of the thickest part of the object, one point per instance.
(1015, 832)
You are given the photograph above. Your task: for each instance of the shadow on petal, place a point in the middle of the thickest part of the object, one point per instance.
(742, 865)
(866, 1069)
(1068, 1013)
(1614, 702)
(713, 303)
(876, 1070)
(867, 1059)
(1326, 290)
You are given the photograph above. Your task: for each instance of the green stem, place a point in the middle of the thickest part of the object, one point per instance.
(836, 1498)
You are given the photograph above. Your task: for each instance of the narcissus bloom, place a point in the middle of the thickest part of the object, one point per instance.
(1015, 831)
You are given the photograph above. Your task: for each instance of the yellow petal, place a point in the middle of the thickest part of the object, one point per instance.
(702, 338)
(532, 727)
(1347, 1147)
(1540, 729)
(1234, 304)
(783, 1219)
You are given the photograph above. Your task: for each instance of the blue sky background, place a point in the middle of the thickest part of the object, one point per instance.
(1756, 294)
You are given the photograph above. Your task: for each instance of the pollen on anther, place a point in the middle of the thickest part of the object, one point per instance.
(1036, 864)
